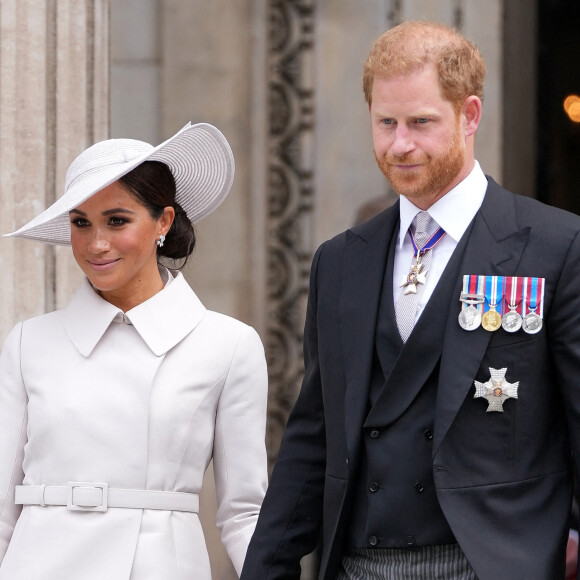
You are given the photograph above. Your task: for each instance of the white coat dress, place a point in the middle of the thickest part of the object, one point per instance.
(140, 401)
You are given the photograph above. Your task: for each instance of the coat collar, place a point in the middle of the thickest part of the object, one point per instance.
(162, 321)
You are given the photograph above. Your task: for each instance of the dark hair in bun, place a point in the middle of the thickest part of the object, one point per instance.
(153, 185)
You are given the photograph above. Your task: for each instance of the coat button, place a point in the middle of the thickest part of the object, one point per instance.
(375, 433)
(410, 540)
(428, 434)
(419, 487)
(374, 486)
(373, 540)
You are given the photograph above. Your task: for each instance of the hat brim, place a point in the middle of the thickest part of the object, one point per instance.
(198, 156)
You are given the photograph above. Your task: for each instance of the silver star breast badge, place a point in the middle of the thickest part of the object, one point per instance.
(496, 390)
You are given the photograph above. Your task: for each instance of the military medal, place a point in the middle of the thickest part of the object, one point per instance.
(496, 390)
(511, 321)
(472, 299)
(416, 274)
(532, 322)
(491, 320)
(469, 318)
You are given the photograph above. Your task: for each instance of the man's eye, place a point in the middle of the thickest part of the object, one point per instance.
(422, 120)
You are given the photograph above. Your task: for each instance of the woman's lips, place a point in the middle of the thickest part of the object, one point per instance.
(102, 264)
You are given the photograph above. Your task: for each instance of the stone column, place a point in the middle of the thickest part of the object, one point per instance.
(53, 104)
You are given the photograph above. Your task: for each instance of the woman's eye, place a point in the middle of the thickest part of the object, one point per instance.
(117, 221)
(79, 222)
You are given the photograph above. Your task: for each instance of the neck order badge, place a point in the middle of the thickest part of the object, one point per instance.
(416, 274)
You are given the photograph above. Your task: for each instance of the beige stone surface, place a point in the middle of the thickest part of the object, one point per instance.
(489, 39)
(207, 57)
(23, 160)
(346, 175)
(135, 70)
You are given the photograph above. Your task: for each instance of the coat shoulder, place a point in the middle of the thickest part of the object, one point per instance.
(228, 330)
(531, 212)
(385, 220)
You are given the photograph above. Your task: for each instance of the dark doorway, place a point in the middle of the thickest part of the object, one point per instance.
(558, 136)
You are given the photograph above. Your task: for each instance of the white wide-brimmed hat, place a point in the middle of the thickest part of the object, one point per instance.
(198, 156)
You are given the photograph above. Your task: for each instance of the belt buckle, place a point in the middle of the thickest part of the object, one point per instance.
(71, 485)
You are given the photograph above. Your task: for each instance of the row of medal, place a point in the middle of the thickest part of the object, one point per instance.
(508, 302)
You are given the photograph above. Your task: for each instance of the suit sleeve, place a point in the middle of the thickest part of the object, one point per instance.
(291, 515)
(239, 455)
(13, 419)
(564, 340)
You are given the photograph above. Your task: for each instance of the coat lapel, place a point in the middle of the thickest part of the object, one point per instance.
(494, 247)
(421, 352)
(362, 277)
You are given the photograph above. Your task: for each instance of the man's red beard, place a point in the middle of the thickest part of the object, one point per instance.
(432, 176)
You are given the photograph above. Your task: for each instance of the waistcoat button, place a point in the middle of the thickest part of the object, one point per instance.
(428, 434)
(419, 487)
(374, 486)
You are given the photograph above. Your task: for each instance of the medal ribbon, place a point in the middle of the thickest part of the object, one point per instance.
(473, 284)
(430, 244)
(535, 295)
(494, 293)
(513, 294)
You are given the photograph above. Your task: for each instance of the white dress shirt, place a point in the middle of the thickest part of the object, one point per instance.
(453, 212)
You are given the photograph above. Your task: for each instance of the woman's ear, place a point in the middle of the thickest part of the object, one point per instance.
(166, 219)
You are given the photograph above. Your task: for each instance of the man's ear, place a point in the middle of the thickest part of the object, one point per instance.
(471, 115)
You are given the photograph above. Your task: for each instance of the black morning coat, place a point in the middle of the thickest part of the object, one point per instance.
(503, 480)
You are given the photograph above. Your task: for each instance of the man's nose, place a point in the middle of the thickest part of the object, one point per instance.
(403, 142)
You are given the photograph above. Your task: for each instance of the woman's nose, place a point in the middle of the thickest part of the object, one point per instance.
(99, 243)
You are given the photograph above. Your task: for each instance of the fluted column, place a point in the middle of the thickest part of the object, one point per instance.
(53, 104)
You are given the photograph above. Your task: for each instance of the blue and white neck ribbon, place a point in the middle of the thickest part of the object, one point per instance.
(429, 245)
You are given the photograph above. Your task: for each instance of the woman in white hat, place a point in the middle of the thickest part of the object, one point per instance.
(112, 408)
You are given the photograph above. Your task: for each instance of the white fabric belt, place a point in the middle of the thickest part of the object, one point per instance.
(97, 497)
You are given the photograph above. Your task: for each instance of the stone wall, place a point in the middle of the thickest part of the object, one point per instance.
(54, 91)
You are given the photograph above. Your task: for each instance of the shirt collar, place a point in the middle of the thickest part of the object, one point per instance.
(454, 211)
(162, 321)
